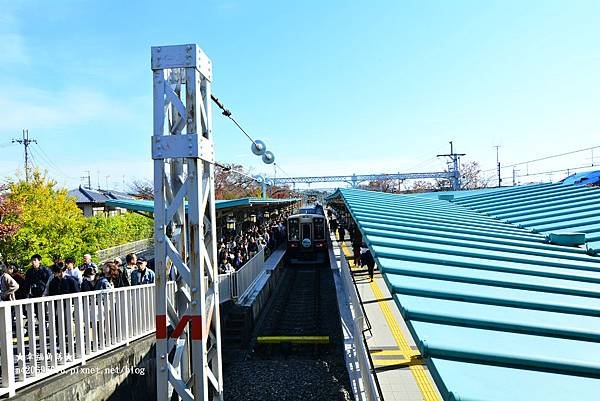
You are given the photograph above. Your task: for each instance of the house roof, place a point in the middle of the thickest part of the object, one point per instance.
(86, 195)
(148, 205)
(498, 313)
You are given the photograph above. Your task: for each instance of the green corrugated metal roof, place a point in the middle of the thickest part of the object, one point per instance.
(498, 313)
(544, 208)
(148, 205)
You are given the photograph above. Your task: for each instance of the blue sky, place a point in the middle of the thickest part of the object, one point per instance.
(332, 87)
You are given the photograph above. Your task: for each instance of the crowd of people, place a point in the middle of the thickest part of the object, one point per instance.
(64, 277)
(361, 253)
(236, 248)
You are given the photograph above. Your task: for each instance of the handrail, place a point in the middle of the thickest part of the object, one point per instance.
(244, 277)
(372, 387)
(123, 249)
(55, 333)
(40, 337)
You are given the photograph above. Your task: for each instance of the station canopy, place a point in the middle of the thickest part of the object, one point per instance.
(147, 206)
(498, 312)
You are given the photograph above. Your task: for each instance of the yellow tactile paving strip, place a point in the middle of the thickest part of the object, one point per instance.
(423, 381)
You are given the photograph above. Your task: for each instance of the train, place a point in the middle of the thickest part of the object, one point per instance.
(307, 236)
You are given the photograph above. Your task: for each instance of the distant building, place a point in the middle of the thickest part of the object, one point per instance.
(93, 202)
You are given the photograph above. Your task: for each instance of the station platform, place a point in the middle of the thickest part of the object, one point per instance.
(399, 369)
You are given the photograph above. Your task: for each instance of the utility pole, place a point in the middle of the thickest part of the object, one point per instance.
(88, 177)
(25, 141)
(455, 160)
(498, 164)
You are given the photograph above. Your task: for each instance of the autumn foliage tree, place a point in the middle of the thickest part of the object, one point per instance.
(232, 181)
(10, 212)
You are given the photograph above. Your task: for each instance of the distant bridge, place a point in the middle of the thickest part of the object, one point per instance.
(355, 179)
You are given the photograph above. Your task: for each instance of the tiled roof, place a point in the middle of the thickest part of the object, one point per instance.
(498, 313)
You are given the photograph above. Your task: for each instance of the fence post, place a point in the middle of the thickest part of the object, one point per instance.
(6, 350)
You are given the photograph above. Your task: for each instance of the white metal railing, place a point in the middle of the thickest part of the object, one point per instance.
(243, 278)
(120, 250)
(40, 337)
(358, 328)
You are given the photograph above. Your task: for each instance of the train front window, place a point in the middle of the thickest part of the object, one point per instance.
(294, 230)
(305, 230)
(319, 229)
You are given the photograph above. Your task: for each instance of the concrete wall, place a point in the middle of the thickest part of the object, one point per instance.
(125, 374)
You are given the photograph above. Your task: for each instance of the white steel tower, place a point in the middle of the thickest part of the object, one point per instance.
(188, 337)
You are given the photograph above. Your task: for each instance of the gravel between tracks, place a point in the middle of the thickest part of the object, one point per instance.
(302, 380)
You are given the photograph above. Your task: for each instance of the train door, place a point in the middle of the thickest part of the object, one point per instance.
(319, 233)
(306, 235)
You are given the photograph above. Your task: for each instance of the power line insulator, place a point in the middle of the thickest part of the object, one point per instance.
(268, 157)
(258, 147)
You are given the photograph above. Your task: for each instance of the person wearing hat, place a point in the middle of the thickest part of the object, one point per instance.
(89, 280)
(61, 283)
(8, 286)
(142, 275)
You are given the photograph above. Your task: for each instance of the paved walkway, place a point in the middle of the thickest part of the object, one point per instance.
(398, 364)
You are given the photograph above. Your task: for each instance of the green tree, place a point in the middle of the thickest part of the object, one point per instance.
(51, 224)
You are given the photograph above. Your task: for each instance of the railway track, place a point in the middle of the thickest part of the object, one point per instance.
(297, 348)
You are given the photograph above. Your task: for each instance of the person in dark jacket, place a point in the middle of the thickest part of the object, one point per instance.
(342, 233)
(142, 275)
(36, 277)
(117, 277)
(367, 259)
(89, 280)
(61, 283)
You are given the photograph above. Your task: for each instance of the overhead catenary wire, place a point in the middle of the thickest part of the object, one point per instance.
(227, 113)
(228, 168)
(280, 169)
(546, 158)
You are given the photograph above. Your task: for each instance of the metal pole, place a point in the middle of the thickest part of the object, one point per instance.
(498, 164)
(184, 175)
(25, 141)
(26, 146)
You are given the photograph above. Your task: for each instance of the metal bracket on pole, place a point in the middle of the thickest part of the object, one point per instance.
(188, 337)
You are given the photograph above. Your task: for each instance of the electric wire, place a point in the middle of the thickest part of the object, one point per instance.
(544, 158)
(227, 113)
(54, 165)
(50, 164)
